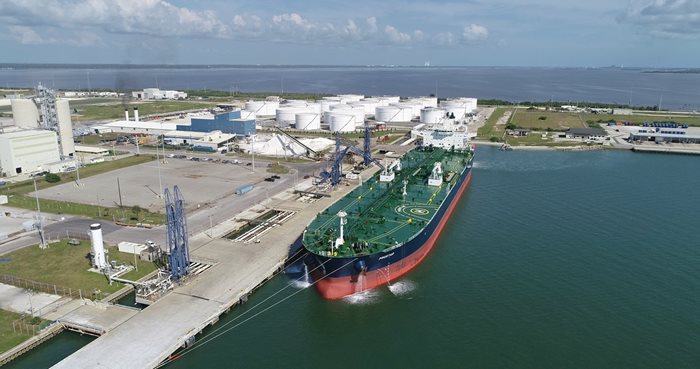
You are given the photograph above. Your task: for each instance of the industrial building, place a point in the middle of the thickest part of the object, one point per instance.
(213, 141)
(90, 154)
(229, 122)
(158, 94)
(667, 136)
(136, 127)
(27, 151)
(585, 133)
(177, 138)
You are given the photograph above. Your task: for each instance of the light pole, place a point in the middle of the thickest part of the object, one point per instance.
(252, 149)
(42, 243)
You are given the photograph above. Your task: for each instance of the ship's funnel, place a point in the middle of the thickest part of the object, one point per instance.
(126, 114)
(98, 250)
(136, 114)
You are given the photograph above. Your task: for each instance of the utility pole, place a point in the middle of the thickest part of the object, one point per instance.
(42, 242)
(252, 150)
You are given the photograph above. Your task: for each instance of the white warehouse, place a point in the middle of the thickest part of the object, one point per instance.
(158, 94)
(23, 152)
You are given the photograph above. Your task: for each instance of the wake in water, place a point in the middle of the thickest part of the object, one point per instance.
(304, 281)
(365, 297)
(402, 288)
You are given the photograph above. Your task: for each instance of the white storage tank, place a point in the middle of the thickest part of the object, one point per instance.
(65, 128)
(393, 113)
(287, 114)
(429, 101)
(338, 122)
(262, 108)
(432, 115)
(357, 111)
(388, 99)
(25, 113)
(457, 107)
(307, 121)
(248, 115)
(348, 98)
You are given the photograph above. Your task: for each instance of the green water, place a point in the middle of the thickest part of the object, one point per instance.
(553, 260)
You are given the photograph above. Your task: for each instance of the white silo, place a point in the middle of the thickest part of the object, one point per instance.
(432, 115)
(326, 104)
(65, 128)
(393, 113)
(25, 113)
(98, 250)
(307, 121)
(339, 122)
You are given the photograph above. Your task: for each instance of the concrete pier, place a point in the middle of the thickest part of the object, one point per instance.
(153, 334)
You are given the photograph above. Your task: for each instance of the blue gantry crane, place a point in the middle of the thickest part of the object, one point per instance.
(178, 241)
(337, 158)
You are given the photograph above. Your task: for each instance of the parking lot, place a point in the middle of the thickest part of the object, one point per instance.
(201, 182)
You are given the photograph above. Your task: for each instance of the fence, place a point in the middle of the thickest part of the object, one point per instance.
(68, 234)
(42, 287)
(22, 326)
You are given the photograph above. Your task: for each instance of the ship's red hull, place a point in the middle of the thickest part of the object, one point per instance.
(335, 288)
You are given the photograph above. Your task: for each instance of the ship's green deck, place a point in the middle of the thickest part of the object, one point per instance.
(379, 217)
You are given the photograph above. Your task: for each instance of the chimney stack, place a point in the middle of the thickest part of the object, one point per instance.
(126, 114)
(136, 114)
(98, 249)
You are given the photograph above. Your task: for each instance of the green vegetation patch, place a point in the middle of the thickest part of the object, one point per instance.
(87, 113)
(491, 131)
(277, 168)
(67, 266)
(547, 120)
(8, 337)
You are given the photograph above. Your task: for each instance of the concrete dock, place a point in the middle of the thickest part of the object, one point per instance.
(153, 334)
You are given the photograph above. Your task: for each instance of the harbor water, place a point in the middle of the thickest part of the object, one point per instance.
(552, 260)
(633, 86)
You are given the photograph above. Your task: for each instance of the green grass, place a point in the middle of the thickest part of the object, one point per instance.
(65, 265)
(490, 129)
(17, 194)
(8, 338)
(555, 121)
(277, 168)
(88, 113)
(639, 118)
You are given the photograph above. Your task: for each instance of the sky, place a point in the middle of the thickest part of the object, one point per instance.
(546, 33)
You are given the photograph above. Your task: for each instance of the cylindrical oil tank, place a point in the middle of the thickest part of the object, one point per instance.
(357, 111)
(432, 115)
(456, 107)
(389, 99)
(413, 107)
(287, 114)
(262, 108)
(340, 122)
(368, 105)
(307, 121)
(348, 98)
(25, 113)
(65, 128)
(429, 101)
(248, 115)
(393, 113)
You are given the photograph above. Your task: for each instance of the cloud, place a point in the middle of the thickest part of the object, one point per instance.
(444, 39)
(25, 35)
(395, 36)
(147, 17)
(669, 18)
(475, 32)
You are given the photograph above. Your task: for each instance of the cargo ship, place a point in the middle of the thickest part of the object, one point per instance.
(388, 224)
